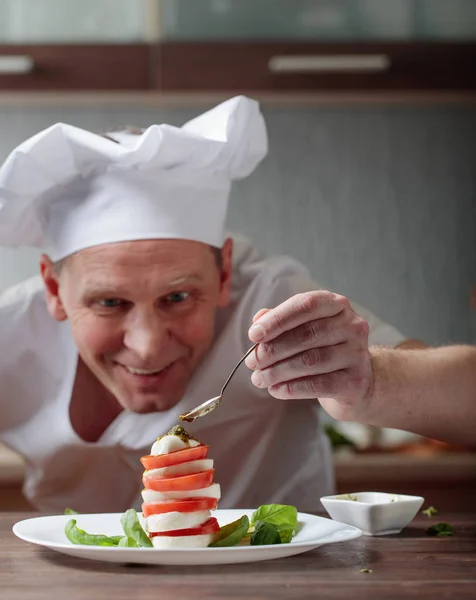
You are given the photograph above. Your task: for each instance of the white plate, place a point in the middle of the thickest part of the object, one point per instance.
(49, 531)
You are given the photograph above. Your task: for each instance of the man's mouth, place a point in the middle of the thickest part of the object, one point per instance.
(146, 372)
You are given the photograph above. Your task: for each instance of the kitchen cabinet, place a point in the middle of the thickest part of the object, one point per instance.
(306, 45)
(74, 67)
(315, 66)
(66, 45)
(221, 47)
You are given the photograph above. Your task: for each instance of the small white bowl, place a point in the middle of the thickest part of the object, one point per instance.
(375, 513)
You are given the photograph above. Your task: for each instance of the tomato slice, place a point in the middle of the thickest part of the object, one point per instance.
(184, 482)
(174, 458)
(183, 506)
(210, 526)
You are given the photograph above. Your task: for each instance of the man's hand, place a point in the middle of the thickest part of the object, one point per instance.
(313, 346)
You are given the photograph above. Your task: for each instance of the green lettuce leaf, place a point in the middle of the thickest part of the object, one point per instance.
(133, 529)
(127, 542)
(79, 536)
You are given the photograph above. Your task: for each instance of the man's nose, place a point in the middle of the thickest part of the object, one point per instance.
(145, 335)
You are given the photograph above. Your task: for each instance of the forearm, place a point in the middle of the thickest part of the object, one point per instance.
(431, 392)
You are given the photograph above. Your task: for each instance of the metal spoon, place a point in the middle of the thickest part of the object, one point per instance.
(209, 405)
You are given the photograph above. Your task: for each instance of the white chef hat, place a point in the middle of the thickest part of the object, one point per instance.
(66, 189)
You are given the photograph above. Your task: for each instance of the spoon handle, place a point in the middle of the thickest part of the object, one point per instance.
(239, 363)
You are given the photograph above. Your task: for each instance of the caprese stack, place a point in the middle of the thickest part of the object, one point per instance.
(179, 492)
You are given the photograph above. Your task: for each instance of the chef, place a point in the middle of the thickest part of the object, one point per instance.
(142, 307)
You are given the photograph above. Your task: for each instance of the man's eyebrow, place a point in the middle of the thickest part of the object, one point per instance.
(114, 290)
(185, 279)
(103, 289)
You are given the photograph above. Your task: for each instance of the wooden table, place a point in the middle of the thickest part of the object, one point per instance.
(404, 566)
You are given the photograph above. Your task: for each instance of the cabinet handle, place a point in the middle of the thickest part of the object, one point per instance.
(16, 64)
(338, 63)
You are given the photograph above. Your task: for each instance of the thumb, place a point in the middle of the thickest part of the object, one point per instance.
(260, 313)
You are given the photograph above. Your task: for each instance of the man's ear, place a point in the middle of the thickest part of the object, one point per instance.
(225, 273)
(51, 280)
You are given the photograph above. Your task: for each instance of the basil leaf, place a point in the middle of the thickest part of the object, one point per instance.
(70, 511)
(127, 542)
(276, 514)
(232, 534)
(441, 530)
(79, 536)
(133, 529)
(265, 534)
(286, 534)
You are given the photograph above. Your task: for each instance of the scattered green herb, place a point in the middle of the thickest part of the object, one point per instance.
(347, 497)
(430, 511)
(441, 530)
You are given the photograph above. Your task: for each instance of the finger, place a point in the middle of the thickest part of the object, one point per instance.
(329, 385)
(315, 361)
(260, 313)
(295, 311)
(314, 334)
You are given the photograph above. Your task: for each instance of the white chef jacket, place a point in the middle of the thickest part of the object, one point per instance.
(264, 450)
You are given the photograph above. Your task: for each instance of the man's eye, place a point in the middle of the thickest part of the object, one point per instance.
(177, 297)
(110, 302)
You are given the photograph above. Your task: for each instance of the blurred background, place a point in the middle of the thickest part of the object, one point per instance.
(371, 175)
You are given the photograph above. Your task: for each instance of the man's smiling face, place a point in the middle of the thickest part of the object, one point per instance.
(142, 313)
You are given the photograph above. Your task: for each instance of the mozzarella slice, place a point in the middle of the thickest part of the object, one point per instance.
(171, 443)
(167, 542)
(187, 468)
(172, 521)
(212, 491)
